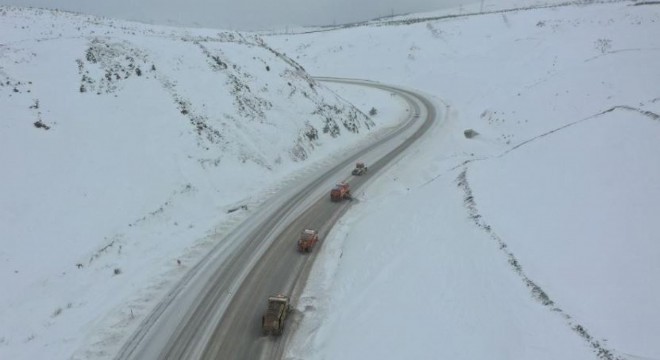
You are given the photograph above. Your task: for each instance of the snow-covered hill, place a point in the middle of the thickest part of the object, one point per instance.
(128, 150)
(535, 239)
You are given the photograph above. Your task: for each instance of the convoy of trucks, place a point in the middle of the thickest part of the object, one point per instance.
(272, 322)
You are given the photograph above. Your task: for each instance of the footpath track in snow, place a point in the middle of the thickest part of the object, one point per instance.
(214, 312)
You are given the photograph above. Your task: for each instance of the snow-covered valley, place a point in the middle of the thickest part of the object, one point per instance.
(129, 150)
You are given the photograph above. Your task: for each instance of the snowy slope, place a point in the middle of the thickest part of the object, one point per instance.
(127, 151)
(534, 239)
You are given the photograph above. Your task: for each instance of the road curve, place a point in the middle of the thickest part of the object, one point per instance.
(215, 311)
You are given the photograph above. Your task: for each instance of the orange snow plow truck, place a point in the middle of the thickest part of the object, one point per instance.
(340, 192)
(308, 238)
(272, 322)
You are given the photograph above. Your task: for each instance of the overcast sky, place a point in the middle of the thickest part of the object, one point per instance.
(242, 14)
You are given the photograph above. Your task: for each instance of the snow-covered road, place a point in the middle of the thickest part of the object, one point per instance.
(131, 151)
(214, 312)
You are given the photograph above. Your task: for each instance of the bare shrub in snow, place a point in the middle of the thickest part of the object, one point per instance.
(311, 133)
(603, 45)
(298, 152)
(40, 125)
(436, 33)
(470, 133)
(57, 312)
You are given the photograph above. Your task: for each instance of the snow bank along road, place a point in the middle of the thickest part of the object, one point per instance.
(215, 311)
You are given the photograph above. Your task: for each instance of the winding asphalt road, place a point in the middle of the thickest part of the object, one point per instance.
(215, 311)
